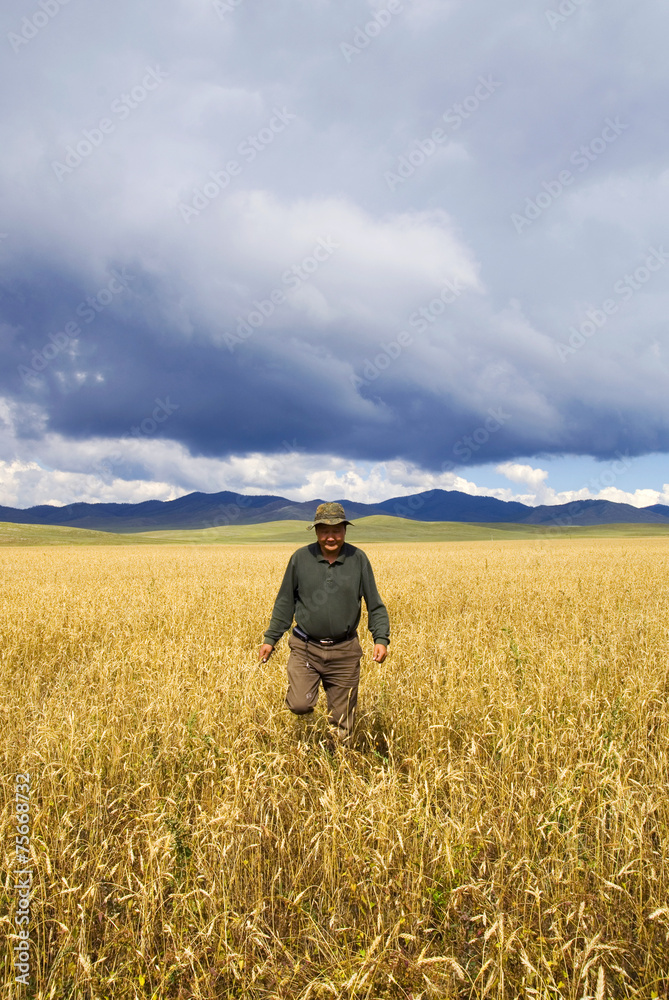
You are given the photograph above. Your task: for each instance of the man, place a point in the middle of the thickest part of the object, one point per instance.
(322, 587)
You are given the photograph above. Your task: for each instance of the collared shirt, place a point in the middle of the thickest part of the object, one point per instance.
(325, 597)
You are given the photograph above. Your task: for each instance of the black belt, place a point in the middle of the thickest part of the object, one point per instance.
(334, 641)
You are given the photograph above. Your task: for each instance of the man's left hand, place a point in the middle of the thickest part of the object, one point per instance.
(379, 653)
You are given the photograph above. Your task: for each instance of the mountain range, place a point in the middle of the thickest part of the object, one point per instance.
(209, 510)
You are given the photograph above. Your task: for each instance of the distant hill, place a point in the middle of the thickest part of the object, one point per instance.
(451, 505)
(216, 510)
(590, 512)
(659, 508)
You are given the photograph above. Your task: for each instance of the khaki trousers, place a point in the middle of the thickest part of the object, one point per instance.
(337, 668)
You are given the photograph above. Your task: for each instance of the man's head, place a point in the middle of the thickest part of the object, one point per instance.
(330, 524)
(331, 538)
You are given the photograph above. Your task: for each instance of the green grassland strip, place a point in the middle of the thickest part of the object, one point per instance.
(379, 528)
(46, 534)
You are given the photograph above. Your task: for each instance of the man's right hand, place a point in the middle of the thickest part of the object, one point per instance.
(265, 652)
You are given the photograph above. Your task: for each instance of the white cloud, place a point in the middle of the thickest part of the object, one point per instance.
(523, 474)
(27, 484)
(534, 479)
(132, 470)
(640, 498)
(377, 271)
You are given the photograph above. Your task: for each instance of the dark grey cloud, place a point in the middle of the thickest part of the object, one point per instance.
(170, 174)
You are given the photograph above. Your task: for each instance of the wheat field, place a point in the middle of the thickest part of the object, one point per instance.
(499, 829)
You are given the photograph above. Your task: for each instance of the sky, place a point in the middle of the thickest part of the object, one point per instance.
(334, 249)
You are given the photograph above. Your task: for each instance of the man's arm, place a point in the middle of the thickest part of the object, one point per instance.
(282, 613)
(377, 613)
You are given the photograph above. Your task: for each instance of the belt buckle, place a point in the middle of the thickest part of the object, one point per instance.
(326, 642)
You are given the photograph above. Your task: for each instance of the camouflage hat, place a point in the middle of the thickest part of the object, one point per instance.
(329, 513)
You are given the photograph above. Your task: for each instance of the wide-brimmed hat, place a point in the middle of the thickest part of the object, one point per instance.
(329, 513)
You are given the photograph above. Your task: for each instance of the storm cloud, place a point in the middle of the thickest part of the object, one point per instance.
(418, 232)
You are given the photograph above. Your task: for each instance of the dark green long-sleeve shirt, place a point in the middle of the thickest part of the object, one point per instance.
(325, 598)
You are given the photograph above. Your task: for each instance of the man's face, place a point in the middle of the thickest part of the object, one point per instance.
(331, 538)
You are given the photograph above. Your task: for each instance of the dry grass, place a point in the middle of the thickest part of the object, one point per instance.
(500, 831)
